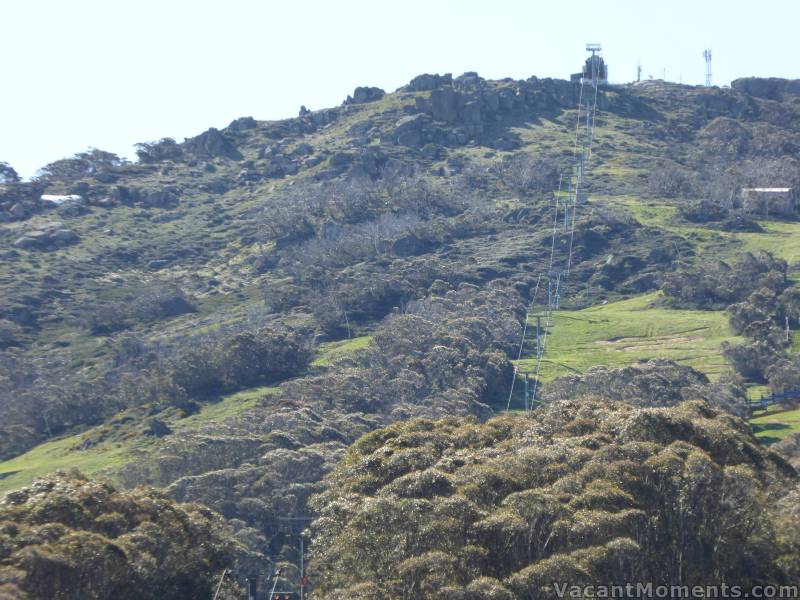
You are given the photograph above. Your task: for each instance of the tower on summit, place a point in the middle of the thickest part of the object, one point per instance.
(707, 59)
(594, 70)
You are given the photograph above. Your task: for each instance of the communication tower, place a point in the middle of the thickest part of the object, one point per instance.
(707, 57)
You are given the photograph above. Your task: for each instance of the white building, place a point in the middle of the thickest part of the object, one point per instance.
(51, 200)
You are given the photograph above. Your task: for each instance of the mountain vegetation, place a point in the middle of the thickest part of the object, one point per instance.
(315, 322)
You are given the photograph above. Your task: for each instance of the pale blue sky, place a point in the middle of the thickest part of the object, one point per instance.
(109, 73)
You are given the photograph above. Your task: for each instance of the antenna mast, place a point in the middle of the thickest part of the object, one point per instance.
(707, 57)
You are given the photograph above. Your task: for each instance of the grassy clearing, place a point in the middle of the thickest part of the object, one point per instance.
(106, 457)
(330, 351)
(228, 406)
(621, 333)
(660, 214)
(61, 454)
(780, 238)
(775, 426)
(754, 392)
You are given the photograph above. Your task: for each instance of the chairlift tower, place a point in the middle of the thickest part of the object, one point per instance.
(290, 523)
(594, 70)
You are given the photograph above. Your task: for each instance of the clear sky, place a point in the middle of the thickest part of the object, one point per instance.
(109, 73)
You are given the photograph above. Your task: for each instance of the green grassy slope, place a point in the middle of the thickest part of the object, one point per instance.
(119, 442)
(62, 454)
(780, 238)
(620, 333)
(330, 351)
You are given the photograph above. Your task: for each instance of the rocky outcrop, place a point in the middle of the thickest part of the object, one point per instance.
(242, 124)
(219, 185)
(412, 245)
(48, 236)
(771, 88)
(18, 211)
(362, 163)
(473, 99)
(337, 164)
(362, 95)
(107, 177)
(463, 109)
(125, 195)
(303, 149)
(18, 201)
(368, 163)
(427, 82)
(274, 163)
(340, 160)
(73, 206)
(414, 130)
(212, 144)
(166, 197)
(309, 121)
(103, 202)
(157, 428)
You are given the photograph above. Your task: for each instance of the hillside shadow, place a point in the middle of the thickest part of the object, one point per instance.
(503, 130)
(8, 474)
(768, 439)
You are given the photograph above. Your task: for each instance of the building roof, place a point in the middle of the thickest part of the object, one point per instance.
(768, 190)
(60, 198)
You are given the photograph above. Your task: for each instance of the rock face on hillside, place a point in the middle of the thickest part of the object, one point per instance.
(166, 197)
(415, 130)
(48, 236)
(212, 144)
(427, 82)
(362, 95)
(465, 108)
(242, 124)
(276, 164)
(19, 200)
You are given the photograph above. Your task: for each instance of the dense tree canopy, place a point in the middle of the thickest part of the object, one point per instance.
(7, 173)
(652, 384)
(717, 284)
(84, 164)
(67, 537)
(163, 149)
(584, 491)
